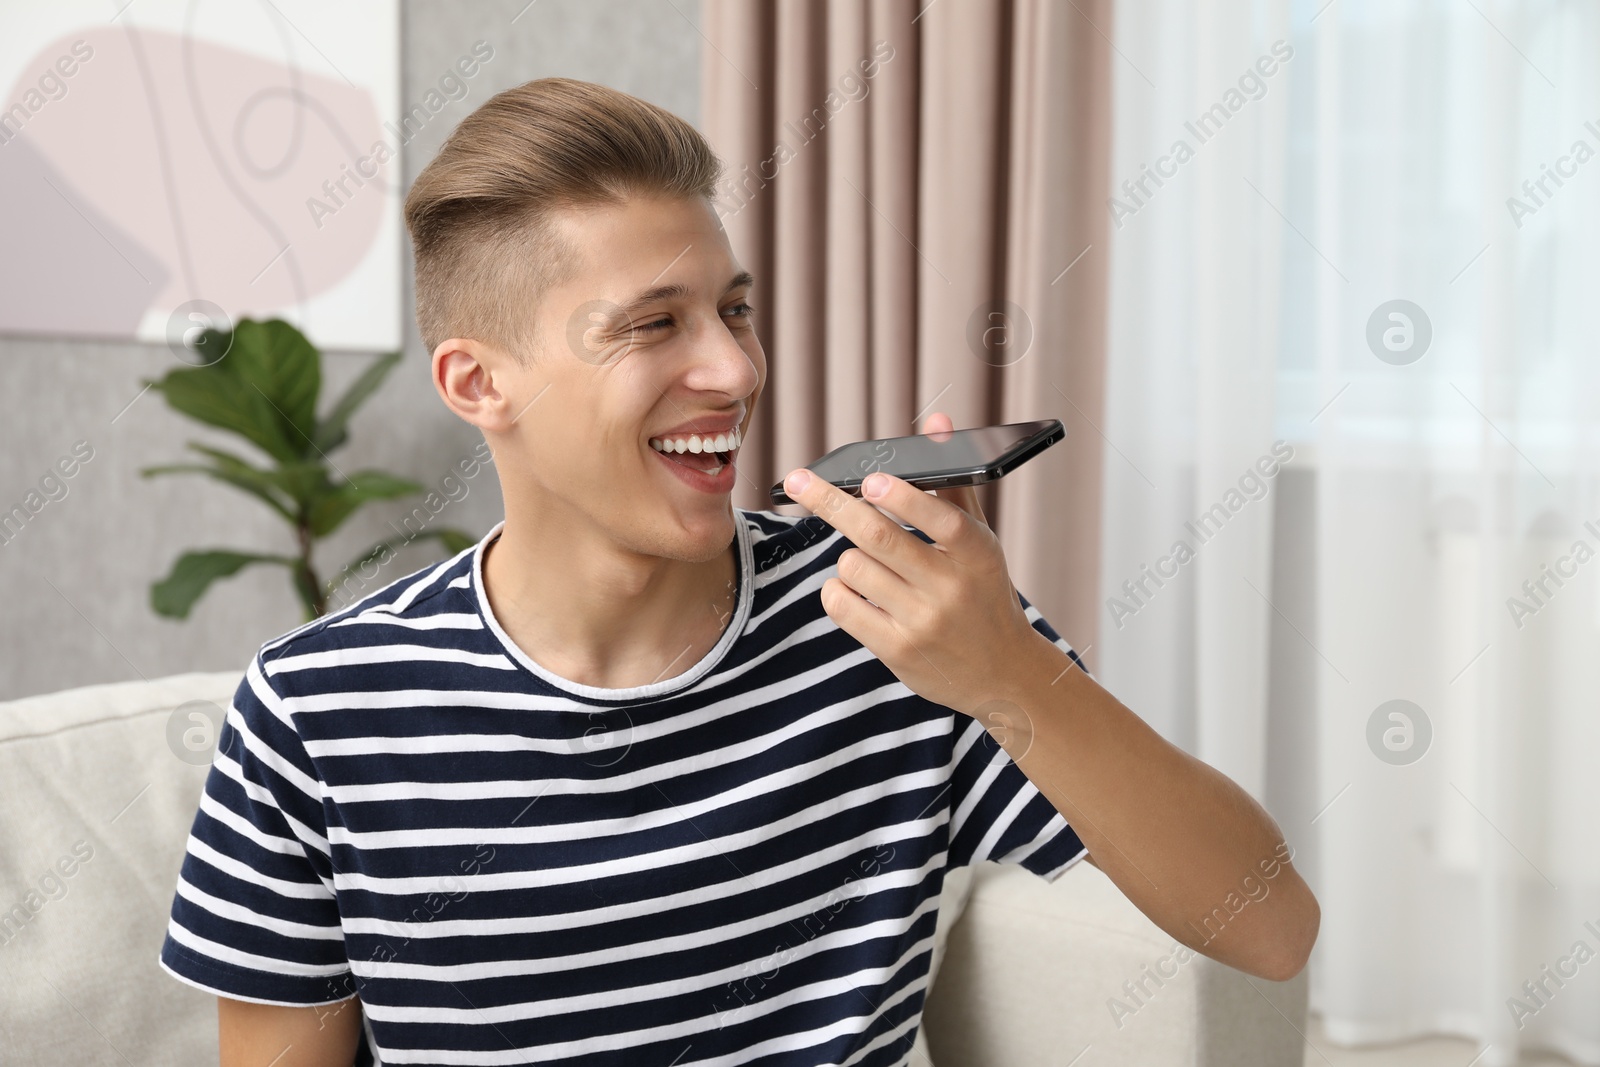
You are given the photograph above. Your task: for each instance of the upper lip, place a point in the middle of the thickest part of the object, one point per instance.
(713, 424)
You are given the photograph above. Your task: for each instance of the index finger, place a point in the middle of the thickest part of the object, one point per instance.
(867, 528)
(945, 522)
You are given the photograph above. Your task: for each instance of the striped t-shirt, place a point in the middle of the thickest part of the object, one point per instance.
(738, 864)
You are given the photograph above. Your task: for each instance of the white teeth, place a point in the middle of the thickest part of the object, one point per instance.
(723, 442)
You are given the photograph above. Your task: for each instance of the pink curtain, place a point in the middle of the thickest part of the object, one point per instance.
(920, 190)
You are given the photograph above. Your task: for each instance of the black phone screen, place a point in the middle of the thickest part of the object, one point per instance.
(935, 461)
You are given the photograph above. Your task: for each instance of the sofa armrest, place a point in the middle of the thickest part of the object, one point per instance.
(1036, 972)
(98, 805)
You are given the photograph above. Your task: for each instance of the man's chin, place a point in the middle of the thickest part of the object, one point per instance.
(707, 538)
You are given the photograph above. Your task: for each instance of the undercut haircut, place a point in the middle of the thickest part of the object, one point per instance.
(481, 212)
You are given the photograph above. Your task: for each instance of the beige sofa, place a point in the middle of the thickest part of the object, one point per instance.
(98, 786)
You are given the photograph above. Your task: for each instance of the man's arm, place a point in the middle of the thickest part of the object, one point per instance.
(255, 1035)
(1186, 844)
(1190, 848)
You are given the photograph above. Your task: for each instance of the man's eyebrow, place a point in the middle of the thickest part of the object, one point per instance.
(669, 292)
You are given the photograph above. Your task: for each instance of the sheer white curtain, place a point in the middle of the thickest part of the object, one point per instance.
(1348, 261)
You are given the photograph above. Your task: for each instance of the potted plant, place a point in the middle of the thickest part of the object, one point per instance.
(264, 386)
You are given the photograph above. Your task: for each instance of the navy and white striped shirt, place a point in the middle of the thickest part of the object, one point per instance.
(738, 864)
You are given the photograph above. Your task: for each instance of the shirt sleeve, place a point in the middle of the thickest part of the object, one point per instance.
(997, 813)
(255, 917)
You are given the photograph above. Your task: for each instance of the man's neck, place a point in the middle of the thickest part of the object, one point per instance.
(597, 614)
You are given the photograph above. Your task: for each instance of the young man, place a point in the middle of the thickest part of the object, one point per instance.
(644, 778)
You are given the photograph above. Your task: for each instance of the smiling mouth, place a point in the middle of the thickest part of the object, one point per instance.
(710, 462)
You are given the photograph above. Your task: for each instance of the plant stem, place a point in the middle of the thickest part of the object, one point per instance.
(311, 593)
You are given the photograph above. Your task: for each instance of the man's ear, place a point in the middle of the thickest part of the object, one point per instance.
(480, 382)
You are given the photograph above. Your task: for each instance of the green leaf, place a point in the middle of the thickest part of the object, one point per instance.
(300, 482)
(339, 501)
(331, 432)
(307, 482)
(260, 492)
(264, 389)
(193, 573)
(228, 468)
(278, 361)
(289, 489)
(223, 400)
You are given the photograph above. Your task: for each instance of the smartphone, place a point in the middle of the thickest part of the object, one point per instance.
(935, 461)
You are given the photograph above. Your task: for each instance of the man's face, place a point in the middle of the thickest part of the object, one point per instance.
(618, 372)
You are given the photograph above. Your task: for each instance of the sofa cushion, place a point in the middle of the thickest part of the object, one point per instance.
(952, 902)
(101, 786)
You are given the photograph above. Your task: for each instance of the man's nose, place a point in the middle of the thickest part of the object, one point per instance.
(722, 364)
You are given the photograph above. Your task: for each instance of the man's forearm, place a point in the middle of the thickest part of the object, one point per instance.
(1181, 840)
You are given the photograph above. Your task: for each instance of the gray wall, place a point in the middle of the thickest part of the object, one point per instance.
(76, 580)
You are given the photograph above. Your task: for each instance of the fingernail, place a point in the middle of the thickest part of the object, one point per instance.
(796, 481)
(875, 485)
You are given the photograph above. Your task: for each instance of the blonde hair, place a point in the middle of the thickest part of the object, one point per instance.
(479, 214)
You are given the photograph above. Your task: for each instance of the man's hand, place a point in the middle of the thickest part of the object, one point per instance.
(254, 1035)
(940, 616)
